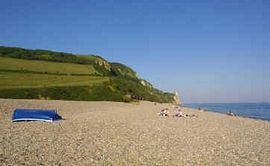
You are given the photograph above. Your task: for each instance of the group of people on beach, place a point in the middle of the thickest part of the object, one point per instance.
(179, 113)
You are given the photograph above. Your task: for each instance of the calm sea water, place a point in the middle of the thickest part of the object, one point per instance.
(251, 110)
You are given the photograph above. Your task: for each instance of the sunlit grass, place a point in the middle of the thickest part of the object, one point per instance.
(29, 80)
(44, 66)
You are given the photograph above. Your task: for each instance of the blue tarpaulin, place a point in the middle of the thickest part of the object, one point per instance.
(35, 115)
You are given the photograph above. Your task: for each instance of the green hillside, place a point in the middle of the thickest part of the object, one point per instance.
(120, 69)
(10, 80)
(39, 74)
(22, 65)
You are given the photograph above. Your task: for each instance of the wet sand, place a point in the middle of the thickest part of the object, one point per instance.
(111, 133)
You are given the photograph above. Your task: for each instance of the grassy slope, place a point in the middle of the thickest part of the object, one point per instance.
(36, 74)
(44, 66)
(29, 80)
(120, 69)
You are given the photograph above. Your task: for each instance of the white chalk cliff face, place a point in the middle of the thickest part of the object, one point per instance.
(176, 99)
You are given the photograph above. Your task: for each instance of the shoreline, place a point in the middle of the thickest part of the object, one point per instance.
(225, 113)
(115, 133)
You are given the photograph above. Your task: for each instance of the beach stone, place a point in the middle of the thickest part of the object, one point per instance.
(112, 133)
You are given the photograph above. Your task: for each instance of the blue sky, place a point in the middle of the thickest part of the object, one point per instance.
(207, 50)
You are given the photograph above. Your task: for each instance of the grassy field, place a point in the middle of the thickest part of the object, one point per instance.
(28, 80)
(45, 67)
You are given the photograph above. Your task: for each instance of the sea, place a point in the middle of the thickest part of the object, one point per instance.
(250, 110)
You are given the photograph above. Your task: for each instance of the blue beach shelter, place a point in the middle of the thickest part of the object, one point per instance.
(35, 115)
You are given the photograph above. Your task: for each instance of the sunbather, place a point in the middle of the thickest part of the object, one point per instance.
(179, 113)
(164, 112)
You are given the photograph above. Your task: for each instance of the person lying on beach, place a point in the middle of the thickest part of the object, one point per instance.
(179, 113)
(164, 112)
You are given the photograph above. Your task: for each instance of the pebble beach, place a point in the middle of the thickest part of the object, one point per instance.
(112, 133)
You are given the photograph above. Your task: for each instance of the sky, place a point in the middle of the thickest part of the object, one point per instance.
(206, 50)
